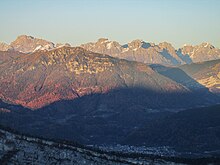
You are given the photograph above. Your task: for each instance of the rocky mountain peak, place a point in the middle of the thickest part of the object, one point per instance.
(186, 49)
(25, 37)
(27, 44)
(104, 46)
(102, 40)
(202, 52)
(166, 45)
(135, 44)
(61, 45)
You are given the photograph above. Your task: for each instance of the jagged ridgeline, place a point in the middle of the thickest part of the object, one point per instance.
(137, 50)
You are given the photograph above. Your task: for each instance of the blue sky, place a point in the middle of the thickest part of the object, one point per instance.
(81, 21)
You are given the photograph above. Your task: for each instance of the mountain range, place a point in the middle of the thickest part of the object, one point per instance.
(163, 53)
(29, 44)
(137, 50)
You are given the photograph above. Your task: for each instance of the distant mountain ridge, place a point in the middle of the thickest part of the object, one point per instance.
(29, 44)
(137, 50)
(163, 53)
(200, 53)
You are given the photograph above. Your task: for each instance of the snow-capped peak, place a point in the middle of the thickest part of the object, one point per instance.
(102, 40)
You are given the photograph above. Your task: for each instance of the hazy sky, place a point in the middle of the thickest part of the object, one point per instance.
(81, 21)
